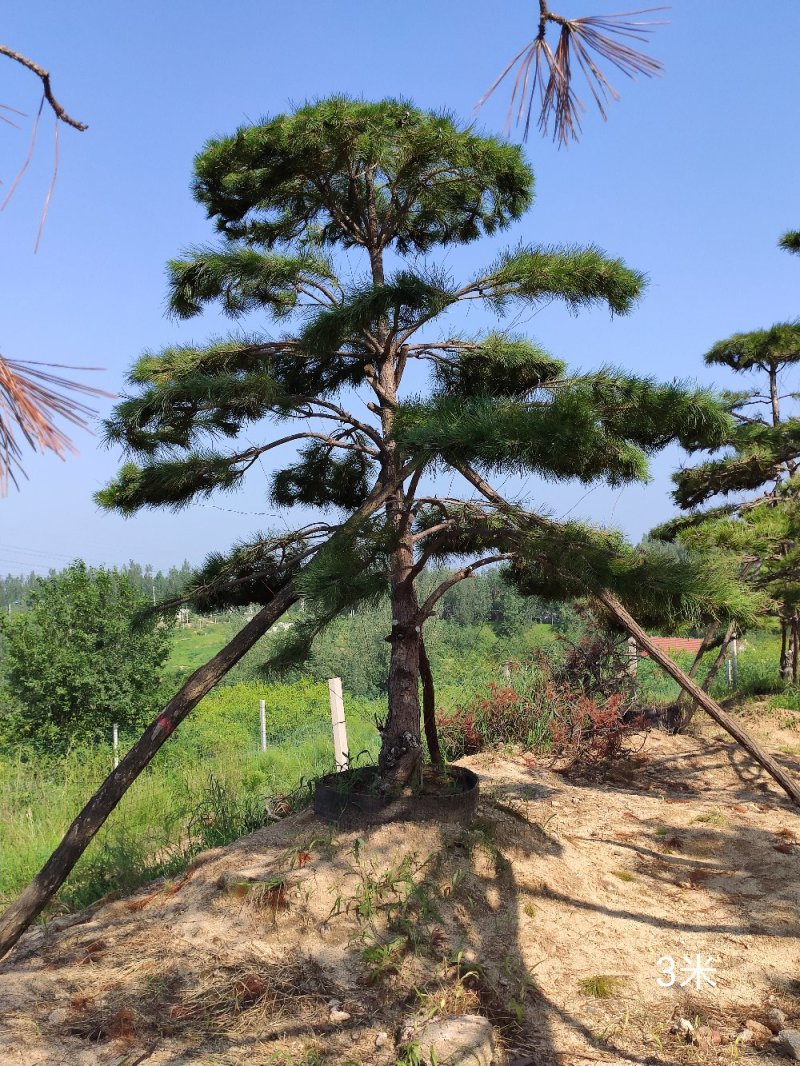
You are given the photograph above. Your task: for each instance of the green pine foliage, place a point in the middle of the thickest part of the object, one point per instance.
(755, 531)
(330, 218)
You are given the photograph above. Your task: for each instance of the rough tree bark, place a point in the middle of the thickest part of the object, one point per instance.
(401, 748)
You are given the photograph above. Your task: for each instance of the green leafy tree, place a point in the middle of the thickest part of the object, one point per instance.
(79, 659)
(758, 530)
(329, 220)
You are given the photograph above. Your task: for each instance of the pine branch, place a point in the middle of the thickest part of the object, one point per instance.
(580, 277)
(44, 76)
(544, 79)
(426, 610)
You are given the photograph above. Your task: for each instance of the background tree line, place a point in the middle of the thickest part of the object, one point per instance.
(80, 650)
(16, 589)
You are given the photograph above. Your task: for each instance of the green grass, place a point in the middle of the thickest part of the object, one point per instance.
(601, 986)
(624, 875)
(195, 644)
(208, 786)
(757, 674)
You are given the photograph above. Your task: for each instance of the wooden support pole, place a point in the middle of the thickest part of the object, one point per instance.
(262, 721)
(429, 706)
(34, 898)
(340, 750)
(633, 658)
(730, 725)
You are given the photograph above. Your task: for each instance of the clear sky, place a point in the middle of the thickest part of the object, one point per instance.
(692, 180)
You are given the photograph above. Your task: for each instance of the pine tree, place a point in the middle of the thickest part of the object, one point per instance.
(758, 534)
(302, 201)
(329, 217)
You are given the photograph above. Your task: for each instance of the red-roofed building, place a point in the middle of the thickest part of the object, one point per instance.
(672, 644)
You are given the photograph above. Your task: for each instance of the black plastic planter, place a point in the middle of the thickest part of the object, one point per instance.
(337, 799)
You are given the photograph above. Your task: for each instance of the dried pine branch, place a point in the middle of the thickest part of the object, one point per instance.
(582, 42)
(44, 77)
(60, 116)
(31, 400)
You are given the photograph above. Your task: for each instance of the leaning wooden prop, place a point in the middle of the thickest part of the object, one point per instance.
(307, 202)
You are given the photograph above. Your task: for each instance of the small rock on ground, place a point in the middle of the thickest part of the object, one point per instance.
(464, 1041)
(790, 1042)
(776, 1020)
(759, 1031)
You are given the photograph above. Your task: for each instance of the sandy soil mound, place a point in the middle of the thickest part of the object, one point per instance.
(303, 945)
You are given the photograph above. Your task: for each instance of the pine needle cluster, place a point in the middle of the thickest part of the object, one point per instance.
(312, 208)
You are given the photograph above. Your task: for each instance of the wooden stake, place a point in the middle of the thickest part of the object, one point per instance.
(340, 750)
(429, 705)
(262, 719)
(115, 743)
(763, 758)
(34, 898)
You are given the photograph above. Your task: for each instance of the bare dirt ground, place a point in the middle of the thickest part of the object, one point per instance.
(303, 945)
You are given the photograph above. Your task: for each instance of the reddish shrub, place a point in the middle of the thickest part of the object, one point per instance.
(581, 707)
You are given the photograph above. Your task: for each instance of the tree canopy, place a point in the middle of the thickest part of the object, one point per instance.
(78, 659)
(328, 218)
(756, 527)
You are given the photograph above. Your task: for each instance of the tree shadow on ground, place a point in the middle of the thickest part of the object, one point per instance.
(248, 959)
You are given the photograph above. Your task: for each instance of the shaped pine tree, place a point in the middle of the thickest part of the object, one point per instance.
(329, 219)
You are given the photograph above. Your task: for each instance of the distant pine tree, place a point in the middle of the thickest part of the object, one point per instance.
(758, 531)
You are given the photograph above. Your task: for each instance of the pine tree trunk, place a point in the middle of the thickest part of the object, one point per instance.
(429, 706)
(763, 758)
(401, 747)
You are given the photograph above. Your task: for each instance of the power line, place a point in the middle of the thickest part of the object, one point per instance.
(15, 549)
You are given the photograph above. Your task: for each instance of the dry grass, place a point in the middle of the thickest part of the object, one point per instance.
(243, 998)
(399, 925)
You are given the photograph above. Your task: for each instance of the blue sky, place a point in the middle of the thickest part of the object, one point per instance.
(691, 180)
